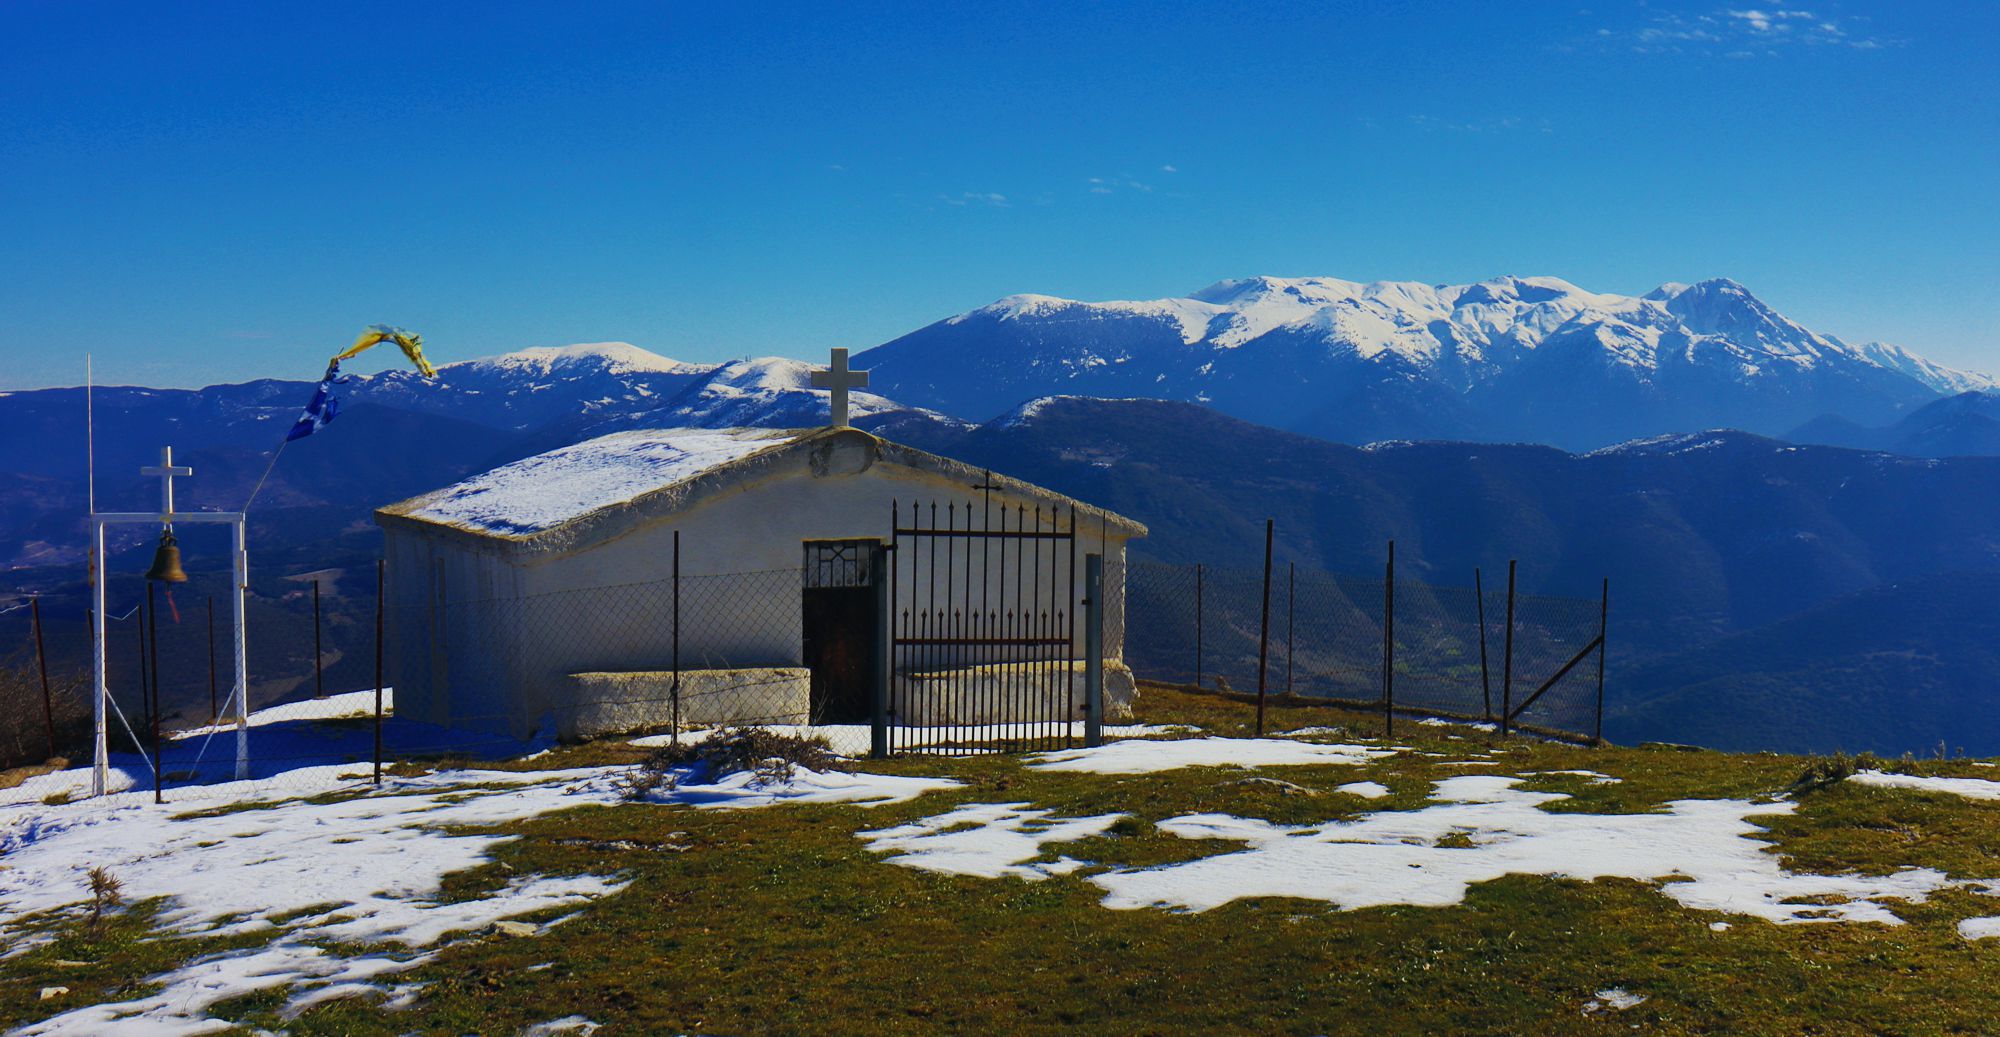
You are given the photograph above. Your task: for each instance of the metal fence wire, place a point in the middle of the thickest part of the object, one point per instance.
(1482, 653)
(691, 652)
(489, 678)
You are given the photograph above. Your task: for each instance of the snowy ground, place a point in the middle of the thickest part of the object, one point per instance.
(854, 739)
(298, 747)
(1480, 828)
(341, 895)
(1970, 788)
(346, 890)
(1146, 756)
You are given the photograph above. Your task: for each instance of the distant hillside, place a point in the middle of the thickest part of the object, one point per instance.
(1908, 667)
(1965, 425)
(1776, 595)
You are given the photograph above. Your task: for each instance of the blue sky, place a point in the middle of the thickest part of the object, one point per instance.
(211, 192)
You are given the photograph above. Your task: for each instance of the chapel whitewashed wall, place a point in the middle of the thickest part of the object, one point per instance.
(494, 651)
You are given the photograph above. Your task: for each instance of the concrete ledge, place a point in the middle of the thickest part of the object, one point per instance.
(989, 695)
(614, 703)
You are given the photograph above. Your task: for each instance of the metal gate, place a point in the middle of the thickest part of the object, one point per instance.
(983, 645)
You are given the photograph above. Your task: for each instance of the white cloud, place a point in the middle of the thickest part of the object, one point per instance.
(1737, 32)
(1502, 124)
(989, 198)
(1121, 182)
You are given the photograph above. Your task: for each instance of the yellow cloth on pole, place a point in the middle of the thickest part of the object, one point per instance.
(411, 343)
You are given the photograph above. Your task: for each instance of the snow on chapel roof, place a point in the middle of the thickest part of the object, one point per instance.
(547, 490)
(592, 490)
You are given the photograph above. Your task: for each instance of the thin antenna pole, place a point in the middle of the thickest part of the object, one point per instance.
(100, 748)
(100, 759)
(90, 430)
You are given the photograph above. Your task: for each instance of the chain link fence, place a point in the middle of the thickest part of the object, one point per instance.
(1482, 653)
(695, 651)
(490, 678)
(480, 678)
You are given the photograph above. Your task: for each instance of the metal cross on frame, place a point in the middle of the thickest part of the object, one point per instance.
(839, 379)
(166, 470)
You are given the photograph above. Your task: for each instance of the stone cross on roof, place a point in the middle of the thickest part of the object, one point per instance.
(839, 379)
(166, 470)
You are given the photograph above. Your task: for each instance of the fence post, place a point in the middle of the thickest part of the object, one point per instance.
(1485, 675)
(214, 710)
(152, 639)
(42, 663)
(1197, 625)
(1507, 656)
(884, 671)
(381, 579)
(1603, 629)
(676, 693)
(1264, 628)
(319, 682)
(1093, 650)
(1291, 599)
(1389, 645)
(145, 682)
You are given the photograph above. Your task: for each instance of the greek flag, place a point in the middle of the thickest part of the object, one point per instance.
(322, 407)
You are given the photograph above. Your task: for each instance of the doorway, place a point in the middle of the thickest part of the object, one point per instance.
(841, 628)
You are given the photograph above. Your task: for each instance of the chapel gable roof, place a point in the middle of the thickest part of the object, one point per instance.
(595, 490)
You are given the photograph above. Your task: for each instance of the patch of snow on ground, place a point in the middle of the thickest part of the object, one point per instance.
(1970, 788)
(744, 789)
(1364, 789)
(333, 707)
(1306, 732)
(986, 840)
(1477, 725)
(295, 749)
(567, 1024)
(1393, 857)
(1979, 928)
(1146, 757)
(854, 739)
(379, 860)
(1616, 999)
(1595, 777)
(362, 871)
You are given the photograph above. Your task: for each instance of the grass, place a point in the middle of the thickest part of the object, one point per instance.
(778, 921)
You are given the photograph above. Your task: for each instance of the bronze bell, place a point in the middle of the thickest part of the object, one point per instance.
(167, 560)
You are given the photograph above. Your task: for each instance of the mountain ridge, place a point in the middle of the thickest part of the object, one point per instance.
(1509, 358)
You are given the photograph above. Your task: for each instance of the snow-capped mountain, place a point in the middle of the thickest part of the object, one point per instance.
(537, 386)
(1533, 358)
(761, 392)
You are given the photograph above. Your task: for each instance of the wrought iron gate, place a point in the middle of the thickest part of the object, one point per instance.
(983, 652)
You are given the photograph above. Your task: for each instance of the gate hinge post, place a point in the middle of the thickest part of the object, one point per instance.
(883, 670)
(1093, 650)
